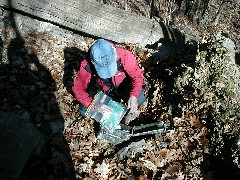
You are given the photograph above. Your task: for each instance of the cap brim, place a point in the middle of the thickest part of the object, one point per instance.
(107, 71)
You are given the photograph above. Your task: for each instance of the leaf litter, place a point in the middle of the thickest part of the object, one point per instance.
(181, 158)
(177, 154)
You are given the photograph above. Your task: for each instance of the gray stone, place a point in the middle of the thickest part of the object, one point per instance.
(188, 30)
(18, 140)
(230, 46)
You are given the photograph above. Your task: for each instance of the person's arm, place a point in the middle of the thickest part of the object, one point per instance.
(131, 66)
(80, 85)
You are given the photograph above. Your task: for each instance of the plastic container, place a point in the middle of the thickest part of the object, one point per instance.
(107, 112)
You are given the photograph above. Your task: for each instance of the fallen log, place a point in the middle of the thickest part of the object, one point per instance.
(93, 18)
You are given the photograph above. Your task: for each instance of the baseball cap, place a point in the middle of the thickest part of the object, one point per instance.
(103, 56)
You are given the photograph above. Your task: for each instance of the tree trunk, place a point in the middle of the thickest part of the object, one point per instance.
(93, 18)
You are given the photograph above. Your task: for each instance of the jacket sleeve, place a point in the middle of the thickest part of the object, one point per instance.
(80, 85)
(131, 66)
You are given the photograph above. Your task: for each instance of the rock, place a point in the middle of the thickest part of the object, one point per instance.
(188, 30)
(215, 72)
(230, 46)
(19, 139)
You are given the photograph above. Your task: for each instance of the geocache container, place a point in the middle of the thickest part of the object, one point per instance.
(107, 112)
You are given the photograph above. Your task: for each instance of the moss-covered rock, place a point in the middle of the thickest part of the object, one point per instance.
(216, 78)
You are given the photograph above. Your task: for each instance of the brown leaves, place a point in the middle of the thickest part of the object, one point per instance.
(163, 152)
(103, 170)
(204, 141)
(77, 156)
(173, 168)
(97, 159)
(193, 120)
(208, 96)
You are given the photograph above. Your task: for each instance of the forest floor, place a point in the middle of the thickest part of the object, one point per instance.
(39, 88)
(38, 80)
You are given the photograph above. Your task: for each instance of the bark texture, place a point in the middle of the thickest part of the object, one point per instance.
(93, 18)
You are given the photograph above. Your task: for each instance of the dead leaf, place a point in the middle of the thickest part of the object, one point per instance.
(194, 121)
(204, 141)
(142, 177)
(103, 170)
(172, 169)
(208, 96)
(163, 152)
(77, 156)
(184, 143)
(150, 165)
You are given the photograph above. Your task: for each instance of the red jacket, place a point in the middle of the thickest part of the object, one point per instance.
(130, 66)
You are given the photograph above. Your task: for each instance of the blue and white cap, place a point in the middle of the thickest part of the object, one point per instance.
(103, 56)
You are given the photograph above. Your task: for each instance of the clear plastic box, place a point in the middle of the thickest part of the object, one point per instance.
(107, 112)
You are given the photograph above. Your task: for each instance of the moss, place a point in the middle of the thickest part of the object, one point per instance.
(214, 73)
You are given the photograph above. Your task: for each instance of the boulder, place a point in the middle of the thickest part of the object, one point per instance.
(18, 140)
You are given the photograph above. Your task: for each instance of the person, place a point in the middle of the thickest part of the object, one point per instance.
(113, 70)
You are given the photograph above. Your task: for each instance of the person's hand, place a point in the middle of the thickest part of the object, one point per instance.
(132, 104)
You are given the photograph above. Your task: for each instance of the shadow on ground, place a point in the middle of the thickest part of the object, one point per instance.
(163, 67)
(28, 87)
(237, 58)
